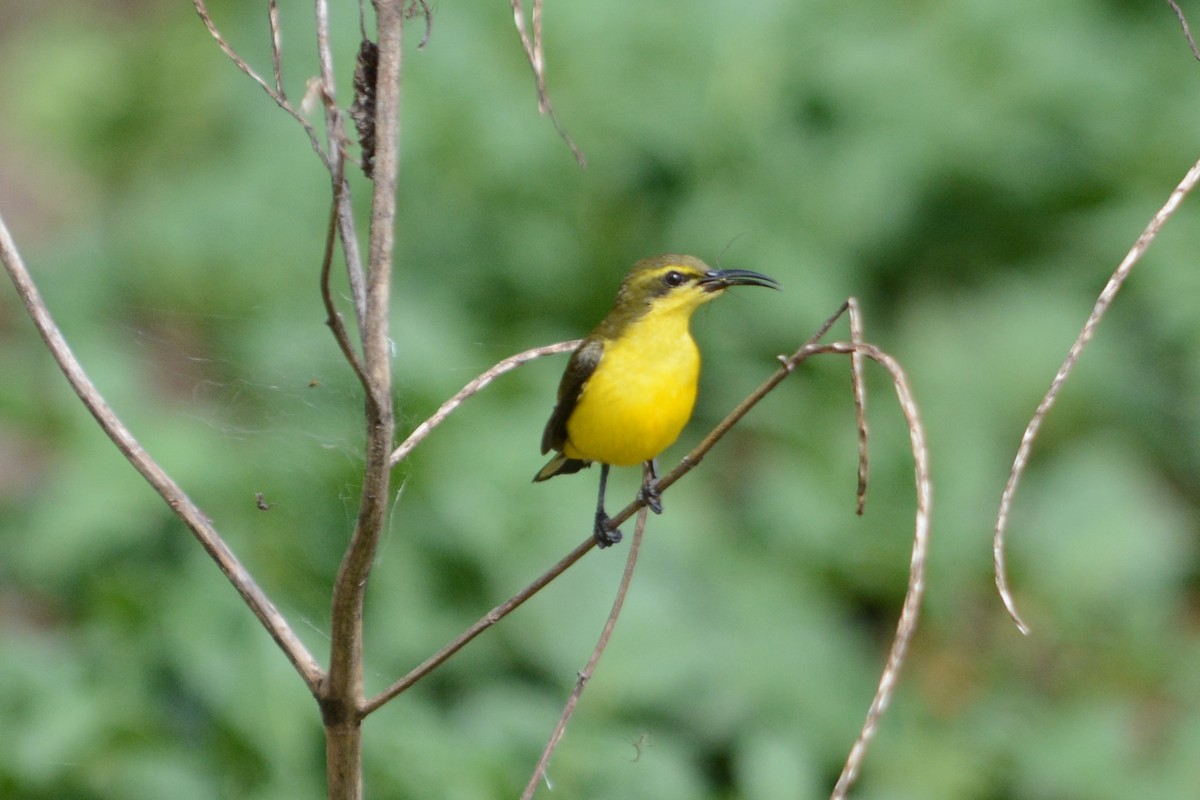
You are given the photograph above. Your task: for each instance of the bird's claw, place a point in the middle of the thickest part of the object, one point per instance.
(604, 534)
(650, 495)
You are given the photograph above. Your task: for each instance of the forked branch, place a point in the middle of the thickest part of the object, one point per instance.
(537, 62)
(332, 153)
(275, 92)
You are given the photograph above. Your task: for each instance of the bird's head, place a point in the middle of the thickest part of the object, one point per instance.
(676, 283)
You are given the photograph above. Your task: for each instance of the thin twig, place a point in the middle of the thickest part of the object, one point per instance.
(1085, 335)
(333, 126)
(537, 62)
(1187, 31)
(533, 51)
(276, 45)
(589, 670)
(279, 99)
(486, 621)
(447, 408)
(174, 496)
(332, 318)
(911, 608)
(334, 129)
(860, 403)
(422, 7)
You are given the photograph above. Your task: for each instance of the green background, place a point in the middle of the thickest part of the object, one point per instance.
(972, 172)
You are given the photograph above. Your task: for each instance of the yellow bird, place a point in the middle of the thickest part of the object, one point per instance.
(630, 386)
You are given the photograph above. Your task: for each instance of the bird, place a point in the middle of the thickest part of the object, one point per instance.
(629, 388)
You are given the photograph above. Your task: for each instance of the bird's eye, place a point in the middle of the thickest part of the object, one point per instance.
(674, 278)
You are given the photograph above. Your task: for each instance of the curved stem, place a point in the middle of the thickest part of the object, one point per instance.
(174, 496)
(1115, 282)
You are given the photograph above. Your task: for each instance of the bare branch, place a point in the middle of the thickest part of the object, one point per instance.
(447, 408)
(618, 602)
(342, 693)
(1187, 31)
(276, 45)
(537, 62)
(277, 96)
(196, 521)
(1115, 282)
(331, 157)
(347, 229)
(421, 8)
(486, 621)
(911, 609)
(860, 403)
(533, 49)
(332, 318)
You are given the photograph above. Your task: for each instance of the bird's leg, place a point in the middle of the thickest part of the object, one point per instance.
(603, 533)
(649, 493)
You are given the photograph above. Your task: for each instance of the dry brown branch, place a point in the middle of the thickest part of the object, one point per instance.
(332, 318)
(860, 403)
(174, 496)
(911, 608)
(276, 45)
(421, 8)
(1115, 282)
(331, 156)
(584, 676)
(537, 62)
(447, 408)
(347, 230)
(1187, 31)
(342, 692)
(278, 96)
(482, 624)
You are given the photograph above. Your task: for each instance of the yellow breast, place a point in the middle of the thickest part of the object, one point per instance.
(641, 395)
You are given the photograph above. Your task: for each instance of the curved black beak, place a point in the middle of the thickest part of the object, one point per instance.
(718, 279)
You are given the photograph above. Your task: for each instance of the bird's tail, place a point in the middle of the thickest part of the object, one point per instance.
(560, 465)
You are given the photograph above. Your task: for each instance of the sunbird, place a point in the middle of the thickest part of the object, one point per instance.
(629, 388)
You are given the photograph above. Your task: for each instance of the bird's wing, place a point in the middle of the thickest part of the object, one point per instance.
(581, 366)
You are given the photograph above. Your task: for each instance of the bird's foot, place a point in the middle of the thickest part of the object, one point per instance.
(650, 495)
(604, 533)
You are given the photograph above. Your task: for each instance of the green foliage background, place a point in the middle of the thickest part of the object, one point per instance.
(971, 171)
